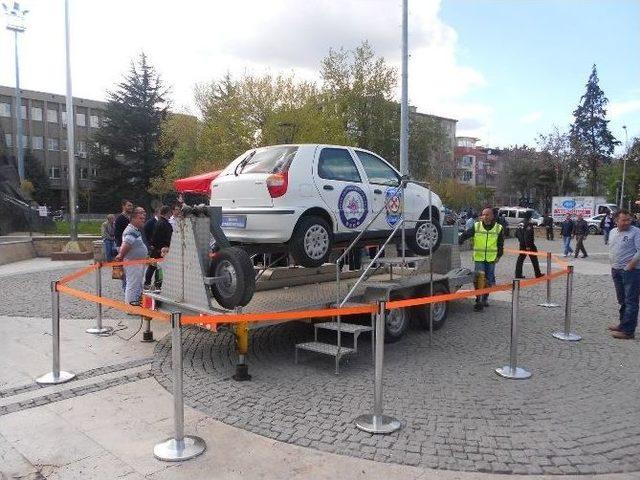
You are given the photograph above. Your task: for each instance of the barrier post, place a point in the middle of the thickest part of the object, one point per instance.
(147, 333)
(55, 376)
(548, 303)
(179, 447)
(377, 422)
(567, 335)
(512, 370)
(98, 329)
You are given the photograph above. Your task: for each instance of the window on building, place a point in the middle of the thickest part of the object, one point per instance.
(64, 118)
(467, 176)
(37, 143)
(80, 119)
(23, 112)
(8, 140)
(94, 121)
(36, 114)
(5, 109)
(84, 173)
(94, 172)
(105, 150)
(53, 145)
(52, 116)
(25, 141)
(54, 172)
(82, 147)
(63, 144)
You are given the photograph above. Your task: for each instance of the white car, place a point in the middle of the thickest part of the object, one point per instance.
(312, 198)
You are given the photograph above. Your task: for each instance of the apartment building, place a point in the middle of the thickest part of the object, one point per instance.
(44, 133)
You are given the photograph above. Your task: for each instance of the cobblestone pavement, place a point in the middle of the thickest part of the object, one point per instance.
(577, 414)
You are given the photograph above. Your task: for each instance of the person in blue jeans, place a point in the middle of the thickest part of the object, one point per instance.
(567, 234)
(624, 254)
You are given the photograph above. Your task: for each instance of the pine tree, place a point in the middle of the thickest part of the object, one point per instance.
(590, 135)
(127, 149)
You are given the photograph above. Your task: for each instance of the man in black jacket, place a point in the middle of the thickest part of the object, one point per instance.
(567, 233)
(581, 230)
(122, 220)
(526, 238)
(160, 238)
(547, 222)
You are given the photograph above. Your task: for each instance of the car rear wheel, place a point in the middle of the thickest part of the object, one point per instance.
(311, 242)
(420, 313)
(237, 282)
(425, 238)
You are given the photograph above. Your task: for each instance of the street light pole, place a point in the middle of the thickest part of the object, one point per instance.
(73, 215)
(404, 101)
(15, 23)
(624, 165)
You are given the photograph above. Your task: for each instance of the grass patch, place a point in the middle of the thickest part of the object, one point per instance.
(89, 227)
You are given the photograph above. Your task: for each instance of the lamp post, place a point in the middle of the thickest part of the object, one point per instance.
(73, 190)
(15, 23)
(624, 165)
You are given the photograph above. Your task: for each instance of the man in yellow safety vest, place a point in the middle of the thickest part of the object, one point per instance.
(488, 246)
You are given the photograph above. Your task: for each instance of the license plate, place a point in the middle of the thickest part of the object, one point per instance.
(234, 221)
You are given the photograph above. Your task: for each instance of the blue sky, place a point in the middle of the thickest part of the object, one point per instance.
(536, 56)
(506, 69)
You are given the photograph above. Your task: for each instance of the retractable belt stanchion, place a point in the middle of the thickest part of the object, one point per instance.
(98, 329)
(512, 370)
(55, 376)
(179, 447)
(147, 333)
(567, 335)
(548, 303)
(377, 422)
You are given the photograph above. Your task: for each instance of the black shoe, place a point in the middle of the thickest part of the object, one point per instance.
(520, 277)
(585, 256)
(477, 307)
(538, 275)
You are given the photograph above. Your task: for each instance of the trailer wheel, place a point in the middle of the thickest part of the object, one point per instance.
(420, 313)
(397, 322)
(238, 285)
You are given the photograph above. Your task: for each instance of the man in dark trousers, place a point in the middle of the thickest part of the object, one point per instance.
(547, 222)
(122, 220)
(606, 225)
(567, 233)
(160, 238)
(488, 247)
(526, 238)
(580, 230)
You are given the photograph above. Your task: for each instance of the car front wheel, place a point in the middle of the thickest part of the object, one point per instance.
(425, 238)
(311, 242)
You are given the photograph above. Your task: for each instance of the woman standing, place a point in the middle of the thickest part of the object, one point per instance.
(108, 232)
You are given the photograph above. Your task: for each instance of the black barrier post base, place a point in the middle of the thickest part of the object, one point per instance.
(147, 337)
(242, 373)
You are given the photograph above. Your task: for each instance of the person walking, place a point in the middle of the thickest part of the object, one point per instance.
(581, 230)
(526, 239)
(566, 230)
(107, 232)
(160, 239)
(606, 225)
(133, 248)
(488, 247)
(624, 255)
(547, 222)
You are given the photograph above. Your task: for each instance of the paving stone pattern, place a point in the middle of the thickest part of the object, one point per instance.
(578, 414)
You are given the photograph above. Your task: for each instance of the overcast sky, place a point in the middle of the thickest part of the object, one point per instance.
(505, 70)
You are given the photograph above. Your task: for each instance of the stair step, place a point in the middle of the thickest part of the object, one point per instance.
(325, 348)
(344, 327)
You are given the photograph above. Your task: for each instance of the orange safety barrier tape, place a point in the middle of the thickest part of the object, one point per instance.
(526, 252)
(269, 316)
(117, 304)
(80, 273)
(132, 262)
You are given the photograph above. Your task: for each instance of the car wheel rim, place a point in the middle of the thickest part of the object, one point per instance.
(439, 310)
(228, 285)
(395, 321)
(426, 235)
(316, 242)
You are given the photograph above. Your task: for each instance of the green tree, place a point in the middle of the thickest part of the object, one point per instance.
(521, 172)
(128, 153)
(558, 156)
(429, 149)
(590, 135)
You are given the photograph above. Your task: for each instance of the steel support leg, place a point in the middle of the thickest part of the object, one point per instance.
(512, 370)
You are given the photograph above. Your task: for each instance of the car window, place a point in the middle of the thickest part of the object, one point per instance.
(267, 160)
(512, 213)
(337, 164)
(520, 214)
(378, 171)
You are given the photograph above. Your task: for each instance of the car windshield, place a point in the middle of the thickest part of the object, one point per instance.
(267, 160)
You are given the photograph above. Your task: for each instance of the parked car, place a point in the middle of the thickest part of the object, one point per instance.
(310, 198)
(594, 224)
(515, 216)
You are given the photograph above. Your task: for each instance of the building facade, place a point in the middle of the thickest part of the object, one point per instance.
(44, 134)
(448, 125)
(477, 166)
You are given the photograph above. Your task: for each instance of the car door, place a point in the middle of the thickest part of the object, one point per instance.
(383, 182)
(340, 184)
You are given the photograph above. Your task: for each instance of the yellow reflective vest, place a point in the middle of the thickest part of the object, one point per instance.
(485, 242)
